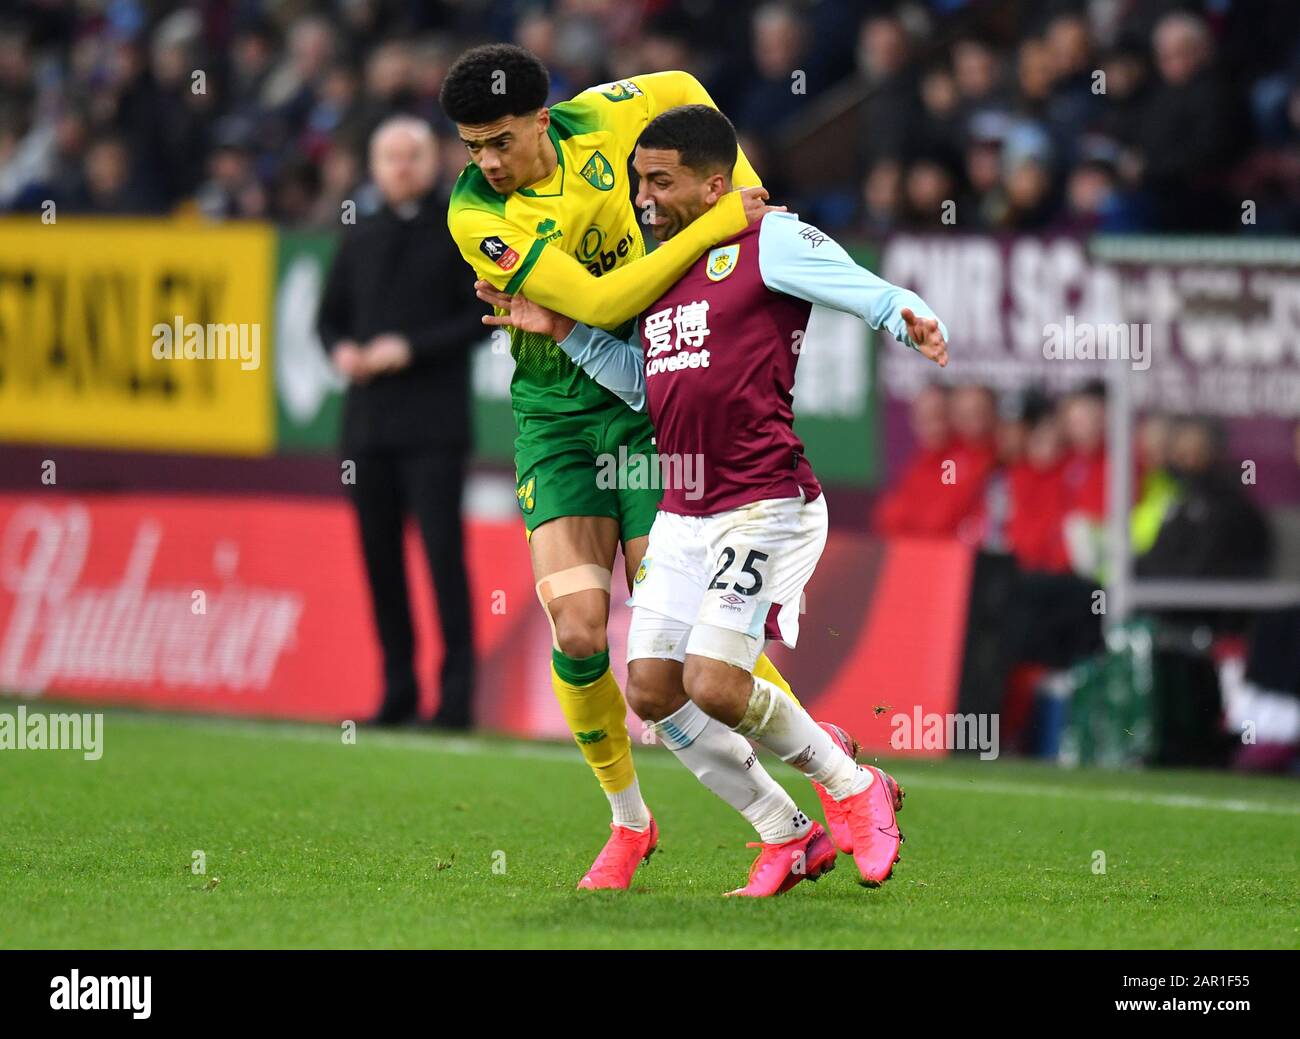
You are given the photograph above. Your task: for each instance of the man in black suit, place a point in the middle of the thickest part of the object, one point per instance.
(398, 319)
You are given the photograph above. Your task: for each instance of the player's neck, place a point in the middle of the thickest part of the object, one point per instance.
(547, 161)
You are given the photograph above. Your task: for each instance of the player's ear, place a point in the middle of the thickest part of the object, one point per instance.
(543, 120)
(715, 187)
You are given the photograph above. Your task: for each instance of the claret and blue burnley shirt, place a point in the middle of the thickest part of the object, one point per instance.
(713, 359)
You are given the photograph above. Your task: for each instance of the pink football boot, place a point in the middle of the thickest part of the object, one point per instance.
(837, 816)
(779, 867)
(874, 827)
(618, 859)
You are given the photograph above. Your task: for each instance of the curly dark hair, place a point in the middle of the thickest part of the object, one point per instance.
(494, 81)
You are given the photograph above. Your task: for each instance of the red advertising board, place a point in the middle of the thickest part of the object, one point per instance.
(258, 606)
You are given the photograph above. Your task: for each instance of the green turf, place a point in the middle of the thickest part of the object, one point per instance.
(392, 842)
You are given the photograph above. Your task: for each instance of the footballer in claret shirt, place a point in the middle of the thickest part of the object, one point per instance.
(544, 206)
(713, 362)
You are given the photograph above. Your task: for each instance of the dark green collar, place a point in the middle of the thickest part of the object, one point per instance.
(559, 159)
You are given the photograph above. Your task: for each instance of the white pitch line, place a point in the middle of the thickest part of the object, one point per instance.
(469, 745)
(1125, 796)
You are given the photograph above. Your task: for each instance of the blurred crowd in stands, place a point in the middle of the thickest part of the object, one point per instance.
(1028, 476)
(1051, 114)
(1025, 480)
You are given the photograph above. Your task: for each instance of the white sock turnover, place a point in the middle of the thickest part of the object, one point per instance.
(628, 808)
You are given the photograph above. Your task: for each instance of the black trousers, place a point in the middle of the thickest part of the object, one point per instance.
(429, 483)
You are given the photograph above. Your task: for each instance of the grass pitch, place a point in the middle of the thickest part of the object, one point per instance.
(409, 840)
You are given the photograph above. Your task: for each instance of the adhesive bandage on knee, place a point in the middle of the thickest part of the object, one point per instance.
(565, 582)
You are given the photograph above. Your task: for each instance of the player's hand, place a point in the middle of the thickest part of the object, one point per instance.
(927, 337)
(755, 203)
(388, 353)
(522, 313)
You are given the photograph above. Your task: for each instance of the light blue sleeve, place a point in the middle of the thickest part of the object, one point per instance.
(614, 363)
(801, 261)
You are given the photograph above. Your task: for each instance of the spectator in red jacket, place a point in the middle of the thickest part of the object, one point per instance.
(913, 506)
(975, 456)
(1038, 502)
(941, 491)
(1083, 414)
(1083, 418)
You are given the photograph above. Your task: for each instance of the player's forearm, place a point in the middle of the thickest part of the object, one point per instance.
(611, 362)
(743, 175)
(855, 290)
(672, 89)
(562, 284)
(888, 305)
(799, 260)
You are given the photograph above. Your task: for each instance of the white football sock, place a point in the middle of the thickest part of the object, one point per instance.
(724, 762)
(628, 808)
(775, 815)
(773, 720)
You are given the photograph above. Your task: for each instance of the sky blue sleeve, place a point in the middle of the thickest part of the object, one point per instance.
(801, 261)
(612, 362)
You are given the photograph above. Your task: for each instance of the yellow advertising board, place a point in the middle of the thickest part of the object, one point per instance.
(147, 335)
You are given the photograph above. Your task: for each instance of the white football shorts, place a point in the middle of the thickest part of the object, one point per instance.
(708, 583)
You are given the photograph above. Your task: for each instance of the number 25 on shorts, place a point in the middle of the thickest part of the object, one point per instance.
(727, 558)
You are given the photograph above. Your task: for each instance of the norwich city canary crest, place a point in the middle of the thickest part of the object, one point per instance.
(525, 494)
(598, 172)
(640, 571)
(721, 262)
